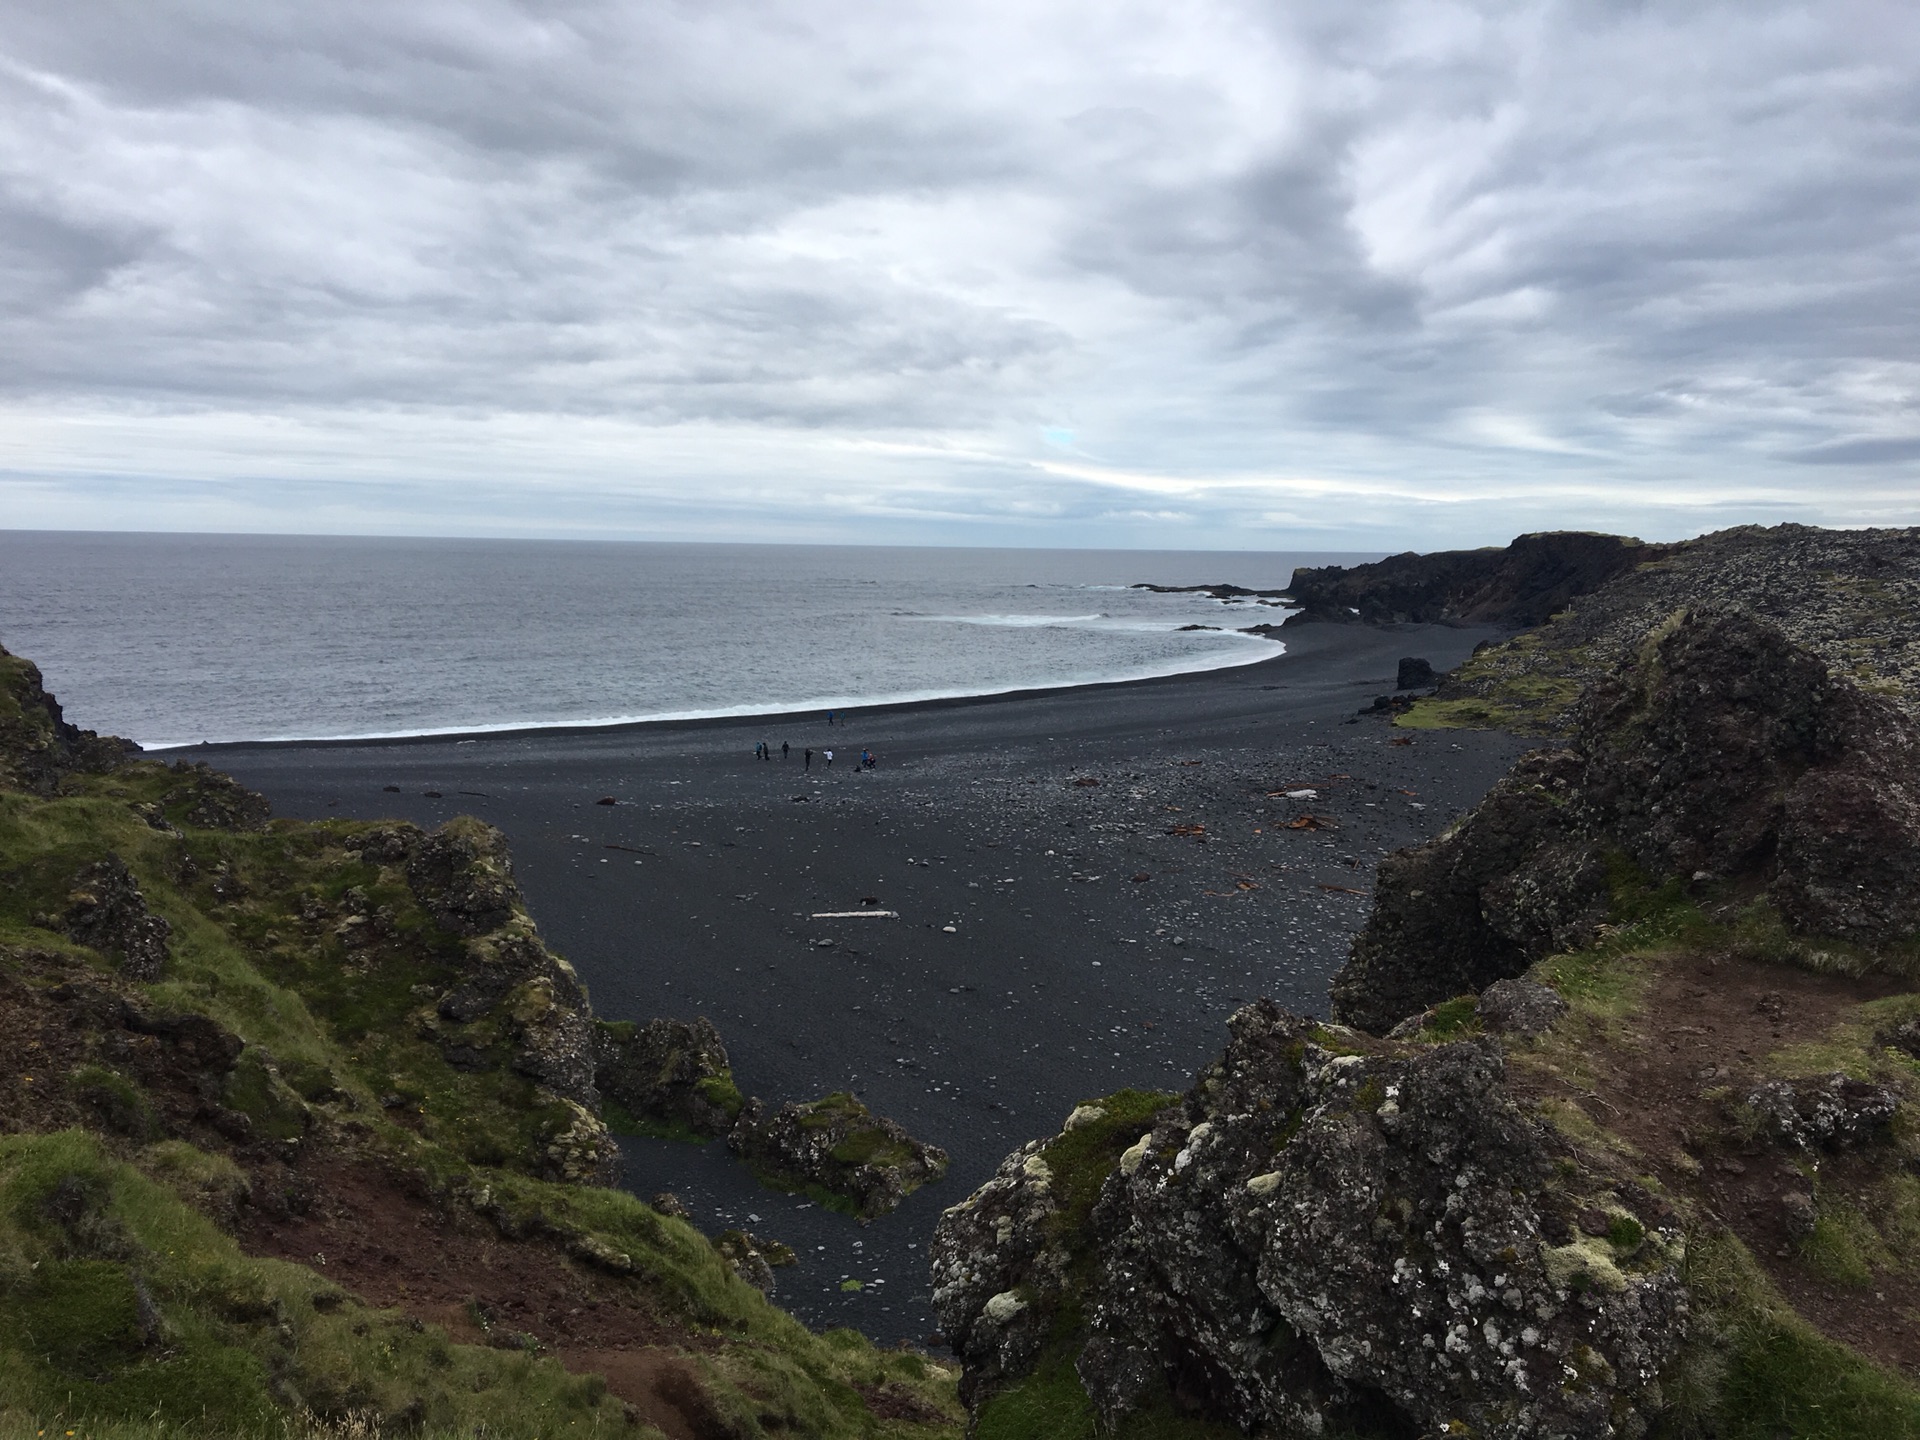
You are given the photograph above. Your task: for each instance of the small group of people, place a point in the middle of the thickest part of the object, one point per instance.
(764, 751)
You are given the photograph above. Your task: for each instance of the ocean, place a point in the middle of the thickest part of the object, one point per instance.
(174, 640)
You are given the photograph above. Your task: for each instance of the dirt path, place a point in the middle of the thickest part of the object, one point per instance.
(1706, 1028)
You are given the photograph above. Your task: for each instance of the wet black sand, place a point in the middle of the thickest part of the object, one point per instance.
(1062, 977)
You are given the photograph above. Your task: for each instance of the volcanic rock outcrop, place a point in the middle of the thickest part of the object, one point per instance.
(1519, 584)
(836, 1144)
(671, 1073)
(1720, 756)
(105, 910)
(1320, 1238)
(37, 744)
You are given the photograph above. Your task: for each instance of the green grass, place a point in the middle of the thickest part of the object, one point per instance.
(1756, 1371)
(120, 1302)
(1452, 1019)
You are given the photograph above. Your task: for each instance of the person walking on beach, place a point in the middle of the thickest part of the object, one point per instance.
(829, 755)
(766, 751)
(866, 759)
(809, 759)
(756, 752)
(784, 748)
(829, 717)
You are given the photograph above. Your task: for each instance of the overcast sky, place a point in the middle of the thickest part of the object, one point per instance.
(1187, 273)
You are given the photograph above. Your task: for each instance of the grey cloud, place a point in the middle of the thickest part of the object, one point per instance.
(1892, 449)
(1453, 245)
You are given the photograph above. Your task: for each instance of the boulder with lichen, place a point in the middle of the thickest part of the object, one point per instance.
(1324, 1236)
(838, 1146)
(107, 912)
(671, 1075)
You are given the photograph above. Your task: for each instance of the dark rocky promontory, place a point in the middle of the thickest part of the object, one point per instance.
(1519, 585)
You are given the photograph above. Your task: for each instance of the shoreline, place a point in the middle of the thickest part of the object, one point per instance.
(782, 711)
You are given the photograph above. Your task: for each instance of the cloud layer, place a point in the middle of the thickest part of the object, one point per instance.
(1193, 273)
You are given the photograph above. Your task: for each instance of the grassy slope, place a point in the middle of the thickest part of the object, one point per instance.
(1757, 1367)
(122, 1304)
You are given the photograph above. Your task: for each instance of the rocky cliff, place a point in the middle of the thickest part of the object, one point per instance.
(1521, 584)
(1636, 1155)
(1721, 758)
(1850, 597)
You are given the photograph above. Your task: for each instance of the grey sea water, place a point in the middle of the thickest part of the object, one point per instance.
(177, 639)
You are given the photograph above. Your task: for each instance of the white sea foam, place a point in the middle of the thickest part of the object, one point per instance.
(1017, 622)
(1259, 648)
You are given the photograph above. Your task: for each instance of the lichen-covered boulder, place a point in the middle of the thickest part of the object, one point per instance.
(1316, 1240)
(752, 1257)
(999, 1272)
(212, 800)
(463, 877)
(1833, 1112)
(106, 911)
(669, 1073)
(1519, 1007)
(840, 1146)
(577, 1148)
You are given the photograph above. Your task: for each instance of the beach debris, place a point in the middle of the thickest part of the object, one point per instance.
(1399, 740)
(1082, 878)
(1187, 827)
(1340, 889)
(801, 799)
(950, 929)
(391, 789)
(869, 899)
(1308, 794)
(603, 800)
(854, 915)
(1190, 762)
(1142, 878)
(1313, 822)
(631, 850)
(431, 794)
(476, 794)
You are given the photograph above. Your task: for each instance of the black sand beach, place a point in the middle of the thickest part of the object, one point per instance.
(1030, 965)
